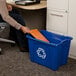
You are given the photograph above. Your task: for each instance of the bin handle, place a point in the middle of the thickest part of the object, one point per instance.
(63, 41)
(56, 15)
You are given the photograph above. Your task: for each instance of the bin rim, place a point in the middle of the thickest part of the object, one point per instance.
(28, 36)
(68, 37)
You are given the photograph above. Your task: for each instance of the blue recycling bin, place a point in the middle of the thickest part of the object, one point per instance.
(51, 55)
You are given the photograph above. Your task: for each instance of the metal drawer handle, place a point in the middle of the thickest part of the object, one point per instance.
(56, 15)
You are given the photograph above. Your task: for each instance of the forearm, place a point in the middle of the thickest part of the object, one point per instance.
(5, 15)
(11, 21)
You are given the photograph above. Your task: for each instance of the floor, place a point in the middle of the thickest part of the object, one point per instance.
(16, 63)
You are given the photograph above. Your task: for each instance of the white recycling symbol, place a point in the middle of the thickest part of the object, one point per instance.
(41, 53)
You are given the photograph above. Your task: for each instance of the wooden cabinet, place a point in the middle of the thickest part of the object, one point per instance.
(61, 18)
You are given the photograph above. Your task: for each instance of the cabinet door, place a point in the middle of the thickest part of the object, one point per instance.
(57, 4)
(57, 21)
(72, 27)
(72, 33)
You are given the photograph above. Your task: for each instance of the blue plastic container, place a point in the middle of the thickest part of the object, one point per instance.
(51, 55)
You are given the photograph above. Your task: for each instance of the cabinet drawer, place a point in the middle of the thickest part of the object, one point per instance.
(57, 4)
(57, 21)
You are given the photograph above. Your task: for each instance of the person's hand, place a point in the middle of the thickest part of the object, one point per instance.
(9, 7)
(25, 29)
